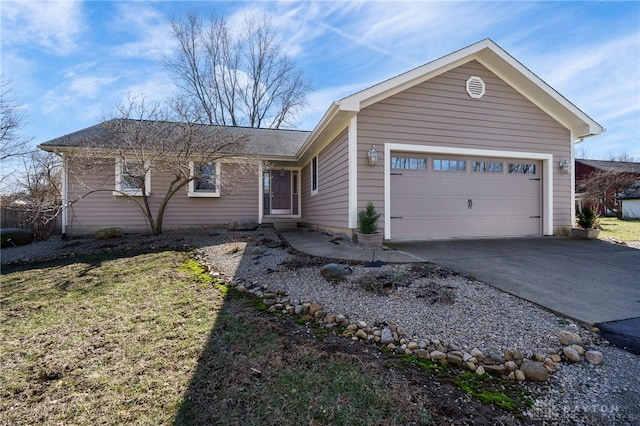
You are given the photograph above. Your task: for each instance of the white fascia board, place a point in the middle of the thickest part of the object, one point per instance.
(410, 78)
(535, 89)
(320, 127)
(547, 171)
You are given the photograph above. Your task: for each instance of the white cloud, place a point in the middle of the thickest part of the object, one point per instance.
(149, 29)
(54, 25)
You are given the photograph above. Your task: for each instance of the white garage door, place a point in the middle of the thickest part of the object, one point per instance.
(434, 197)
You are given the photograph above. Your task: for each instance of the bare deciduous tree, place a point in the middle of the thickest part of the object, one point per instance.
(156, 140)
(12, 117)
(602, 187)
(237, 77)
(37, 197)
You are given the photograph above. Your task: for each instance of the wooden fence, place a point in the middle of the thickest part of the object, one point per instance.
(42, 225)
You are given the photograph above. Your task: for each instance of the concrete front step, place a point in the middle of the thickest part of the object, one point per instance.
(281, 226)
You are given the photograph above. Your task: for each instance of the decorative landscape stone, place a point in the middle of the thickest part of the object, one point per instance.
(12, 237)
(243, 225)
(506, 363)
(105, 234)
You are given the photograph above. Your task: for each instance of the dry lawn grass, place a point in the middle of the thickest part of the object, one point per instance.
(148, 338)
(102, 340)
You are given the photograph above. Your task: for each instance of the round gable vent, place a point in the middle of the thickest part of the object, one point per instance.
(475, 87)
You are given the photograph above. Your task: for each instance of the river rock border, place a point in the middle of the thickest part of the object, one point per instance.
(512, 364)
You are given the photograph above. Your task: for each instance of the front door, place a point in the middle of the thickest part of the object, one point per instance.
(281, 192)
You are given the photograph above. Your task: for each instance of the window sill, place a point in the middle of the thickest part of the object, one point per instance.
(129, 193)
(203, 194)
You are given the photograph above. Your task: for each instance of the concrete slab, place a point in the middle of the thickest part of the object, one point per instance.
(590, 281)
(315, 244)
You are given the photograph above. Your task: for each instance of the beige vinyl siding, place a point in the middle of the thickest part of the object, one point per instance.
(102, 209)
(439, 112)
(329, 207)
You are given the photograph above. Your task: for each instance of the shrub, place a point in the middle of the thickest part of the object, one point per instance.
(586, 217)
(368, 219)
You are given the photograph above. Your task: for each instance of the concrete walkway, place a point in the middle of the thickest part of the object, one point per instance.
(594, 282)
(316, 244)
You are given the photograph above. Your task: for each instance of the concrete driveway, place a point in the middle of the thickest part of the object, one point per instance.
(590, 281)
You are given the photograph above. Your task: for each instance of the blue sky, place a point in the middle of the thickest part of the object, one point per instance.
(71, 62)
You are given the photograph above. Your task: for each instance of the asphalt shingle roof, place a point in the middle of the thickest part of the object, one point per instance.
(273, 143)
(612, 166)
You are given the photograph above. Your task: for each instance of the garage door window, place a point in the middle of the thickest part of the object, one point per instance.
(408, 163)
(446, 165)
(521, 168)
(487, 167)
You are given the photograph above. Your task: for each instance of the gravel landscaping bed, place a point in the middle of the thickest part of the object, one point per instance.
(433, 304)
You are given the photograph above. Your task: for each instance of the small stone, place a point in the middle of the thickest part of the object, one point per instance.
(496, 368)
(361, 334)
(422, 344)
(550, 364)
(340, 318)
(422, 354)
(330, 319)
(454, 359)
(471, 366)
(556, 358)
(477, 354)
(539, 357)
(335, 272)
(386, 336)
(508, 355)
(568, 338)
(412, 346)
(512, 376)
(496, 357)
(436, 355)
(519, 375)
(268, 302)
(391, 346)
(517, 355)
(408, 351)
(256, 251)
(571, 354)
(466, 356)
(511, 365)
(362, 324)
(594, 357)
(578, 349)
(352, 327)
(534, 370)
(314, 307)
(480, 370)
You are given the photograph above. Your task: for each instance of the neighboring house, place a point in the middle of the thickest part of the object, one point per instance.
(469, 145)
(599, 182)
(630, 202)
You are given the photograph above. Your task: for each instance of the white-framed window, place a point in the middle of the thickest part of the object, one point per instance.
(206, 182)
(487, 167)
(408, 163)
(314, 175)
(132, 177)
(522, 168)
(447, 165)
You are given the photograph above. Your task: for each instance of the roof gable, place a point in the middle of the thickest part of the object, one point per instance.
(495, 59)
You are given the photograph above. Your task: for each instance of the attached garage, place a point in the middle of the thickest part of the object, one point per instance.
(439, 195)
